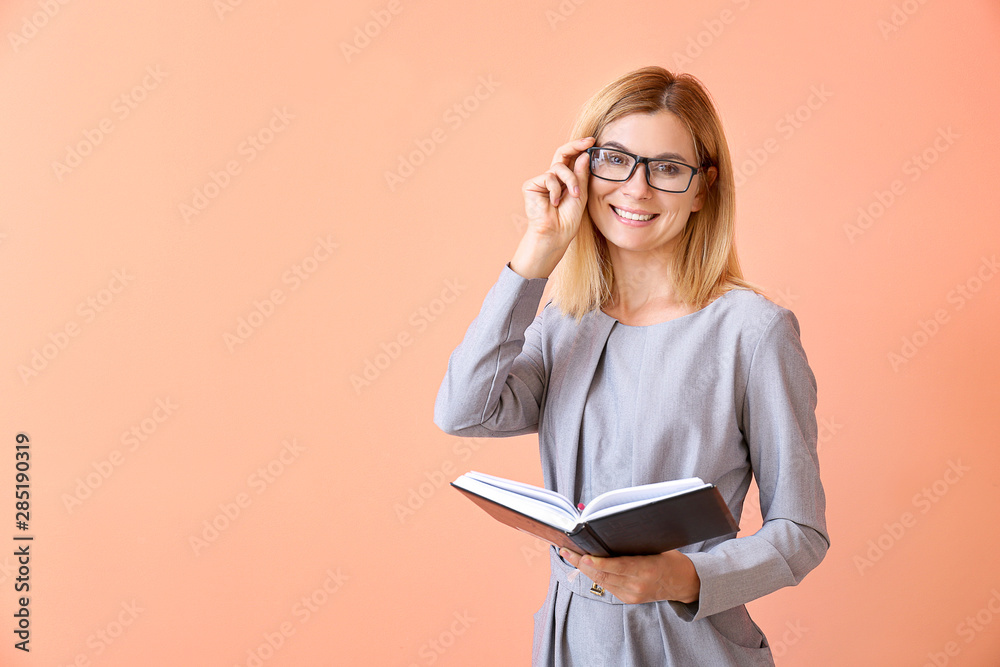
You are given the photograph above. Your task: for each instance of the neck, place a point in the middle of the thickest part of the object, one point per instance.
(643, 281)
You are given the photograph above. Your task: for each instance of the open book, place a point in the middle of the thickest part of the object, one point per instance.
(637, 521)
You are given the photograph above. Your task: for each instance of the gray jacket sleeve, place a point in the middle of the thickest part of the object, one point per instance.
(496, 376)
(779, 425)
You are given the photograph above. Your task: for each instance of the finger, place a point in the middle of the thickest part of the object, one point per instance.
(604, 566)
(547, 185)
(570, 557)
(621, 565)
(581, 169)
(555, 187)
(568, 177)
(568, 151)
(594, 569)
(536, 185)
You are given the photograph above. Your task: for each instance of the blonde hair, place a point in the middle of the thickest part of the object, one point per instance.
(705, 265)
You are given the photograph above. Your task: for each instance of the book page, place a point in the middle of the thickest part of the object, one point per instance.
(622, 499)
(527, 490)
(539, 508)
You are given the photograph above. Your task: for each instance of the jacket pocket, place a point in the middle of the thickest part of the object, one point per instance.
(735, 626)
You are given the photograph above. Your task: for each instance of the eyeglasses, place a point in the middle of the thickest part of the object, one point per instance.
(663, 175)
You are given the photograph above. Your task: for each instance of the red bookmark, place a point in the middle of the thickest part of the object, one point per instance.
(579, 506)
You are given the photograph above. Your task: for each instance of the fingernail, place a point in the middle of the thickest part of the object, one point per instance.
(576, 190)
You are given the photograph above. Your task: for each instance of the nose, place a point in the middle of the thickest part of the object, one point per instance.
(637, 186)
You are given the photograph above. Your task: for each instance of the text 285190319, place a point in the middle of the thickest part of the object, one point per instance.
(22, 516)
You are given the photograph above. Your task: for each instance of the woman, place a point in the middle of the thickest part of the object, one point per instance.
(654, 361)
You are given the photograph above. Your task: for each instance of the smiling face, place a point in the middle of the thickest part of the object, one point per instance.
(631, 215)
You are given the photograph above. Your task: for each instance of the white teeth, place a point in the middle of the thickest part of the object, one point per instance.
(633, 216)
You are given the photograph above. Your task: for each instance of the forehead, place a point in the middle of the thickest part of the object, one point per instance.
(650, 134)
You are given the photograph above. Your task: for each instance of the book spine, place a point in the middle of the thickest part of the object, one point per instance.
(589, 542)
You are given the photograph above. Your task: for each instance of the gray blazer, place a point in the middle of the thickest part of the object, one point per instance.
(727, 394)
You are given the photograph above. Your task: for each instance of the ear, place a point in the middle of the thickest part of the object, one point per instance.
(705, 184)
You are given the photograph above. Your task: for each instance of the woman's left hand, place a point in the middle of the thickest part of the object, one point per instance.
(634, 579)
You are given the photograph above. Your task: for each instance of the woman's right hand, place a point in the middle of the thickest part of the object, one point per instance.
(554, 203)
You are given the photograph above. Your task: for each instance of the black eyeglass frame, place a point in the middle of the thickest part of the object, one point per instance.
(638, 159)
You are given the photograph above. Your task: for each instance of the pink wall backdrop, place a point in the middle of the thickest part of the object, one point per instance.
(239, 240)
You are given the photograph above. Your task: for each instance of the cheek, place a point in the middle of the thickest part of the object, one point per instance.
(598, 215)
(598, 190)
(595, 202)
(593, 206)
(696, 204)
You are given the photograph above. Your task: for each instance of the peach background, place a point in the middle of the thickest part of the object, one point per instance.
(445, 585)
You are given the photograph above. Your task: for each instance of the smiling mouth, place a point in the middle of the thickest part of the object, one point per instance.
(635, 217)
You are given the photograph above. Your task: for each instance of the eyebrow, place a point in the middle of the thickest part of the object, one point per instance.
(662, 156)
